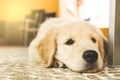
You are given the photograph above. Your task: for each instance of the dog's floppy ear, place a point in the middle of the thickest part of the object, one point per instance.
(103, 47)
(47, 48)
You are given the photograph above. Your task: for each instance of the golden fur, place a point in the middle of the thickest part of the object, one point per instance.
(49, 46)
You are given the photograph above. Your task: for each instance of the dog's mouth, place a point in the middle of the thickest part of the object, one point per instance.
(90, 66)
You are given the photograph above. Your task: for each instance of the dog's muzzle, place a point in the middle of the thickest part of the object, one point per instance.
(90, 56)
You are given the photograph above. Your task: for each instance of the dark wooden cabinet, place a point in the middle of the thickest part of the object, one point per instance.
(13, 34)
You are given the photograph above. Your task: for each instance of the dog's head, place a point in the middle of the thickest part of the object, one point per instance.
(78, 45)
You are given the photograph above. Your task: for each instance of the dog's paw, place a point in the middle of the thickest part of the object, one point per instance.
(58, 64)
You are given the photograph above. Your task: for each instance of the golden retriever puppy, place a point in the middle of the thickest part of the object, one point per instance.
(77, 45)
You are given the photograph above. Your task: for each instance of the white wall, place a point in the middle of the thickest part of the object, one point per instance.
(67, 9)
(97, 10)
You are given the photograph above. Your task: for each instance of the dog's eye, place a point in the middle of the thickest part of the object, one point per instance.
(69, 42)
(93, 40)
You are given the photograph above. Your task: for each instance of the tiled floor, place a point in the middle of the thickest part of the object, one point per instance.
(14, 66)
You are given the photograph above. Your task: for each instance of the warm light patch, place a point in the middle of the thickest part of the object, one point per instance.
(18, 9)
(14, 12)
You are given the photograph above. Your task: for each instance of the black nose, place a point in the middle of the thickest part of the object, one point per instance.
(90, 56)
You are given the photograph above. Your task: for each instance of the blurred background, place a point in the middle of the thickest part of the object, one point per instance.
(20, 19)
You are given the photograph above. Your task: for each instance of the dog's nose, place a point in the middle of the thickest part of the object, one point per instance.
(90, 56)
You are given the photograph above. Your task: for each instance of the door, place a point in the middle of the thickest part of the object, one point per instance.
(114, 33)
